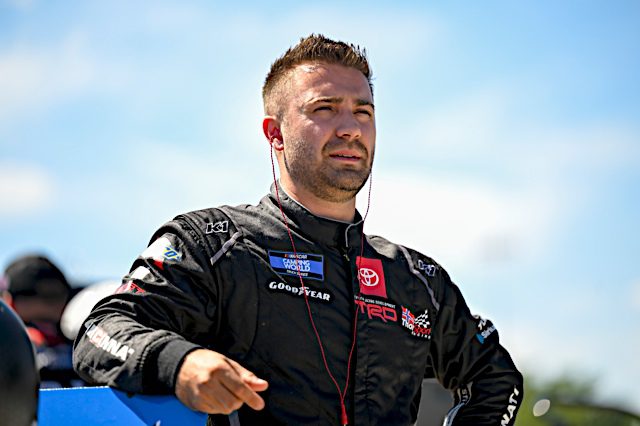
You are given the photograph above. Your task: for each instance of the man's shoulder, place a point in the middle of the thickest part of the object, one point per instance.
(222, 219)
(217, 212)
(413, 259)
(393, 250)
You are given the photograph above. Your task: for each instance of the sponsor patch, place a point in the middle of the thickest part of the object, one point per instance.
(408, 319)
(485, 328)
(371, 277)
(378, 309)
(161, 250)
(420, 326)
(101, 340)
(312, 293)
(311, 265)
(129, 287)
(428, 269)
(511, 408)
(222, 226)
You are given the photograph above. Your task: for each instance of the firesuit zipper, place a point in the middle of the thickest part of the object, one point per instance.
(355, 292)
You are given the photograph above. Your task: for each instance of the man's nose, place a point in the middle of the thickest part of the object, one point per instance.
(349, 128)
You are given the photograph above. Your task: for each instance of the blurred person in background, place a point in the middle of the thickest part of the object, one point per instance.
(19, 380)
(38, 292)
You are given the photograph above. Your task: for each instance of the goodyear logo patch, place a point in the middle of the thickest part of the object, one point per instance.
(311, 266)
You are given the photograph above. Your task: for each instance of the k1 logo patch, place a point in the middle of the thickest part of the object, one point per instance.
(310, 266)
(222, 226)
(371, 277)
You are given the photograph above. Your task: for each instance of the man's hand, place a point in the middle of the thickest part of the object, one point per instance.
(212, 383)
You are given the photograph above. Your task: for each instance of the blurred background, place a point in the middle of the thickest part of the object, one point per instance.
(508, 150)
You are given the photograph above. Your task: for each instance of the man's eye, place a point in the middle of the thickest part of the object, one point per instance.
(323, 108)
(365, 112)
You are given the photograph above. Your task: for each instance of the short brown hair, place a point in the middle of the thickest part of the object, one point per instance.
(314, 48)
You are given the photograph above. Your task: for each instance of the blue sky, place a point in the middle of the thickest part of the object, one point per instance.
(508, 146)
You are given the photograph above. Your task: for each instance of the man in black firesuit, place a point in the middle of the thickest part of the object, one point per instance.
(285, 312)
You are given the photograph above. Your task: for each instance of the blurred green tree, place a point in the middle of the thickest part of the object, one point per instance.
(569, 401)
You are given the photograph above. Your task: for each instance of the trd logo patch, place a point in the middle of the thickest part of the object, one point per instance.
(382, 310)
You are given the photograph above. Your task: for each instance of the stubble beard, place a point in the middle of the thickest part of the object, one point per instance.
(334, 184)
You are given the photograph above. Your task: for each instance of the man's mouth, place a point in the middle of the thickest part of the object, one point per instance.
(352, 157)
(348, 156)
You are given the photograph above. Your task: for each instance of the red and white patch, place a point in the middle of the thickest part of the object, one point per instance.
(160, 251)
(371, 277)
(128, 286)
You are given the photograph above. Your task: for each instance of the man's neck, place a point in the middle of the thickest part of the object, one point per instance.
(342, 211)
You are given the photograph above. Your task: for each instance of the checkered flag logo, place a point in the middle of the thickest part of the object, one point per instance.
(423, 320)
(422, 326)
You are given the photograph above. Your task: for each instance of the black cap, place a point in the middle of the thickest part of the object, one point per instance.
(35, 275)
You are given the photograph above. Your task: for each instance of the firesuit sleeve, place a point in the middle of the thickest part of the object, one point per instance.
(136, 339)
(467, 358)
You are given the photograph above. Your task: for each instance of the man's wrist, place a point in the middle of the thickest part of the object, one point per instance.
(165, 365)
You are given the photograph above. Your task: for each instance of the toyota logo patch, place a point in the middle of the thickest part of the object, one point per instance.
(371, 277)
(368, 277)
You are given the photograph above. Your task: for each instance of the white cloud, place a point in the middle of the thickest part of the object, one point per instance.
(499, 184)
(24, 190)
(470, 125)
(159, 180)
(482, 128)
(589, 150)
(33, 79)
(463, 223)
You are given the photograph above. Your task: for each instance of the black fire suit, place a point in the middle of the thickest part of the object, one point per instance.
(227, 279)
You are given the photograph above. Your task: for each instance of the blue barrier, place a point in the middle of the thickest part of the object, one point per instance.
(102, 406)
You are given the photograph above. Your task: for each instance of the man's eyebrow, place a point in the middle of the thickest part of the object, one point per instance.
(327, 99)
(337, 100)
(364, 102)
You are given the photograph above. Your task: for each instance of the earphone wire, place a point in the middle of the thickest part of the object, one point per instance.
(342, 394)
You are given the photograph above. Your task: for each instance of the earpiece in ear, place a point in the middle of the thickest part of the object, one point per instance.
(276, 137)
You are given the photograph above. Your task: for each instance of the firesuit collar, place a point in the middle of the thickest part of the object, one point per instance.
(316, 228)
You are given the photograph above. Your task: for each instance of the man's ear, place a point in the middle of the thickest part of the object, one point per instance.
(6, 296)
(271, 129)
